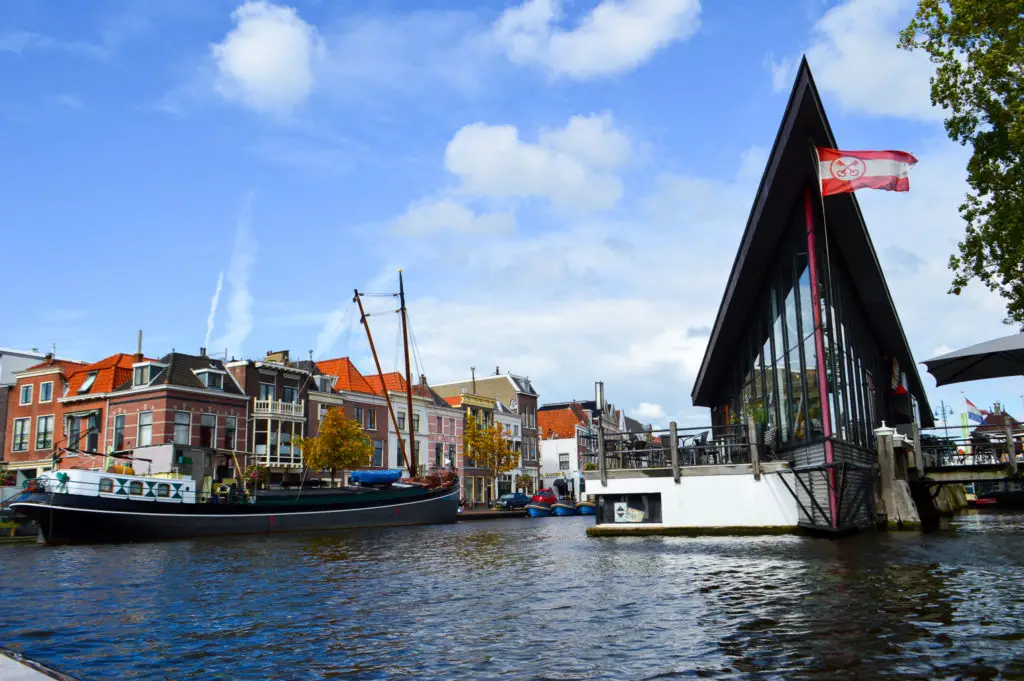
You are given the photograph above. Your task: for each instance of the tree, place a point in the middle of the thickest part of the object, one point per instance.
(978, 48)
(487, 446)
(7, 477)
(340, 444)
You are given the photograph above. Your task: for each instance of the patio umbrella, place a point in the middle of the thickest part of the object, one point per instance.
(992, 359)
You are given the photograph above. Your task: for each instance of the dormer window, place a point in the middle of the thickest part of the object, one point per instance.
(143, 374)
(211, 378)
(87, 383)
(326, 383)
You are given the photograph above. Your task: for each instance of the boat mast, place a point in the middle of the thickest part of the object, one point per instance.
(384, 387)
(408, 374)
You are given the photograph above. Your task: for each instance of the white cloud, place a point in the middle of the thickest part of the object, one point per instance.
(570, 166)
(853, 56)
(268, 60)
(211, 318)
(615, 37)
(239, 324)
(646, 411)
(444, 215)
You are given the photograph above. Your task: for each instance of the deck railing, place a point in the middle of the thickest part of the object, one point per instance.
(279, 408)
(696, 446)
(947, 446)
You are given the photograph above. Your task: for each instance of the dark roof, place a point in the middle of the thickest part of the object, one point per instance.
(634, 426)
(788, 171)
(308, 365)
(523, 384)
(180, 371)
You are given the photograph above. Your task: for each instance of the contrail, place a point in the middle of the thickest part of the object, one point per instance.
(213, 310)
(240, 300)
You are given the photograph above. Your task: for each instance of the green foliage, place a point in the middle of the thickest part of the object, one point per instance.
(487, 446)
(340, 444)
(7, 477)
(257, 474)
(978, 49)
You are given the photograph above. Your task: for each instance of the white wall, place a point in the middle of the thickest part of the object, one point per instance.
(14, 360)
(422, 434)
(713, 500)
(549, 462)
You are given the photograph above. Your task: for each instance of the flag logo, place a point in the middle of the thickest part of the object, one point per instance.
(847, 168)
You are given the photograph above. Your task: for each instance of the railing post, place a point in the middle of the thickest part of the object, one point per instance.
(673, 444)
(602, 463)
(1011, 448)
(755, 452)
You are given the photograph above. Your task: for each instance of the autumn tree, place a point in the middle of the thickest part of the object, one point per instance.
(488, 447)
(978, 49)
(340, 444)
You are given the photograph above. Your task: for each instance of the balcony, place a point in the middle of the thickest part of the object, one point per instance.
(279, 409)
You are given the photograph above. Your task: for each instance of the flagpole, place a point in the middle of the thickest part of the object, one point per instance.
(819, 339)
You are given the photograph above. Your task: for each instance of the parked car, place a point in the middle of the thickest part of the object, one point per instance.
(508, 502)
(544, 496)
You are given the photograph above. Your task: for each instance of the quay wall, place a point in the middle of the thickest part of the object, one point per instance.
(721, 500)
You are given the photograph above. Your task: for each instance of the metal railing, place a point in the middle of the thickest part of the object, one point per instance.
(697, 446)
(985, 445)
(280, 408)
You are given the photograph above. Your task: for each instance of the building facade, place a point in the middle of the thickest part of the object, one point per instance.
(12, 361)
(519, 395)
(359, 401)
(568, 444)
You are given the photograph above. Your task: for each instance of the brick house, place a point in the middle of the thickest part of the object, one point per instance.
(477, 485)
(34, 414)
(12, 361)
(279, 412)
(359, 401)
(182, 413)
(519, 395)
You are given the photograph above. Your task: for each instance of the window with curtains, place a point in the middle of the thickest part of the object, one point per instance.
(145, 436)
(182, 427)
(44, 432)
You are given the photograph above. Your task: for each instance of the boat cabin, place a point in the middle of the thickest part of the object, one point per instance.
(178, 490)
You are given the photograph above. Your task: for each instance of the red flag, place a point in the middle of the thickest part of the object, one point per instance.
(847, 171)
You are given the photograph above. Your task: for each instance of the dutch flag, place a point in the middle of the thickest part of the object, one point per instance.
(973, 413)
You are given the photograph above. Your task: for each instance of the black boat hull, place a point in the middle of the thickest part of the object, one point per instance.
(77, 519)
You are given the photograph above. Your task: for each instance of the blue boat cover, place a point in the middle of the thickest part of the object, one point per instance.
(376, 477)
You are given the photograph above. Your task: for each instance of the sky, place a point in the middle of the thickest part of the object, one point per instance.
(564, 183)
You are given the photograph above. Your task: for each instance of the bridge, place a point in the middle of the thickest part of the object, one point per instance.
(952, 456)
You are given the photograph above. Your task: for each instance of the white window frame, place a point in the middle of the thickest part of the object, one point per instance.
(233, 430)
(48, 399)
(213, 437)
(39, 431)
(26, 433)
(174, 437)
(25, 390)
(273, 391)
(138, 429)
(88, 382)
(359, 415)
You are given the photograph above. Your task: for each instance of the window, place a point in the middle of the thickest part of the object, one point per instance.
(438, 454)
(106, 486)
(323, 411)
(291, 395)
(371, 419)
(145, 437)
(378, 454)
(119, 432)
(358, 414)
(46, 391)
(182, 427)
(163, 490)
(21, 430)
(401, 420)
(515, 430)
(214, 380)
(325, 383)
(230, 423)
(26, 395)
(266, 391)
(135, 487)
(415, 423)
(451, 455)
(44, 432)
(92, 437)
(563, 461)
(207, 430)
(416, 455)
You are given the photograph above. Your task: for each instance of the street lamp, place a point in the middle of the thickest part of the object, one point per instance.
(942, 412)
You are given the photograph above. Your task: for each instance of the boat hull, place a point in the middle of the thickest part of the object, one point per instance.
(538, 511)
(78, 519)
(563, 509)
(586, 508)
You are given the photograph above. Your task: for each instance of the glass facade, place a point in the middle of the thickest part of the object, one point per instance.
(777, 381)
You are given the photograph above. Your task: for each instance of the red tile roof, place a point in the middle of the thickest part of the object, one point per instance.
(560, 423)
(455, 400)
(110, 373)
(394, 381)
(65, 365)
(349, 377)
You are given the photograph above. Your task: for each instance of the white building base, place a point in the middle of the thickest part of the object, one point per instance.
(707, 500)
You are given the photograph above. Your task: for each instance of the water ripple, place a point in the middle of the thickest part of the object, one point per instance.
(526, 599)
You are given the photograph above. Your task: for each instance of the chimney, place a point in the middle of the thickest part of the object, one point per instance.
(138, 348)
(497, 371)
(423, 379)
(473, 371)
(202, 351)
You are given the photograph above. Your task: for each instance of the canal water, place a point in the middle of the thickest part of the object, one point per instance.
(526, 599)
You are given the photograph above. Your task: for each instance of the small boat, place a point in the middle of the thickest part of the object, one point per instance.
(586, 508)
(538, 510)
(564, 508)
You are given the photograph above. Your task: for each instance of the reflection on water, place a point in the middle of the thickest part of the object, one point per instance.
(526, 599)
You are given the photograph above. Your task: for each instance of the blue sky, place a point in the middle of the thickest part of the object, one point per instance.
(564, 184)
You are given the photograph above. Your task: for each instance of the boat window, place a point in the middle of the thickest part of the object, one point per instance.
(163, 490)
(106, 486)
(135, 487)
